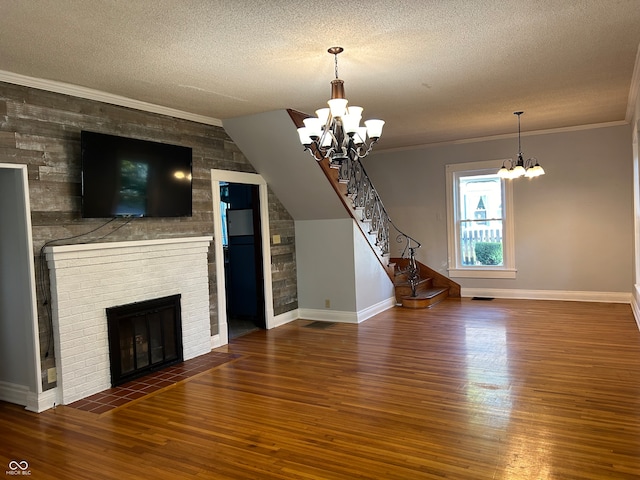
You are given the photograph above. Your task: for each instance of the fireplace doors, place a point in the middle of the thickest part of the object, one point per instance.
(144, 337)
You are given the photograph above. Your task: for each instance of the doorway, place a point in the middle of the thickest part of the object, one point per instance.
(261, 237)
(19, 341)
(240, 211)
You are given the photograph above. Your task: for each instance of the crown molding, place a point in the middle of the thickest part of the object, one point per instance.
(633, 90)
(574, 128)
(97, 95)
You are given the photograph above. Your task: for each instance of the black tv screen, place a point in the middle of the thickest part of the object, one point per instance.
(127, 177)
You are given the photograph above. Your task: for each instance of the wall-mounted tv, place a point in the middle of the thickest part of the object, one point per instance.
(127, 177)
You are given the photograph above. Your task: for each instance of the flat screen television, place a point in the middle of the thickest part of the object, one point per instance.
(127, 177)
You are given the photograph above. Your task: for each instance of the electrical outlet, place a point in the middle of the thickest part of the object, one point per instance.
(51, 375)
(327, 303)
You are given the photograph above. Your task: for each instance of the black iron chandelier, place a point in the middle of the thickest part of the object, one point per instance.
(335, 133)
(518, 168)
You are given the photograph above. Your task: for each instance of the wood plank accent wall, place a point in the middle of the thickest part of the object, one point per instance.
(42, 130)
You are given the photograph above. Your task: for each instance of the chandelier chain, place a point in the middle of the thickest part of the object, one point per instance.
(519, 144)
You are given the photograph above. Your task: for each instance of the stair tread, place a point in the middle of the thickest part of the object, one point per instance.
(428, 293)
(425, 299)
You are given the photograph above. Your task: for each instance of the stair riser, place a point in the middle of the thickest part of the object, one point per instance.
(424, 302)
(405, 288)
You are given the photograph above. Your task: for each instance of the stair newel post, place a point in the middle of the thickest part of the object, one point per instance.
(413, 273)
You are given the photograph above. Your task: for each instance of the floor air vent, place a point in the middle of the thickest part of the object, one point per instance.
(320, 324)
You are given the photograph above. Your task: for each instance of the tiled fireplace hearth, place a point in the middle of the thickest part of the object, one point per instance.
(89, 278)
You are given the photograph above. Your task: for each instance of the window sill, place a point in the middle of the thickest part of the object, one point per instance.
(482, 273)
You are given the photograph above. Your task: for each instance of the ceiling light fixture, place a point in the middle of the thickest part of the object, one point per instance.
(530, 168)
(336, 133)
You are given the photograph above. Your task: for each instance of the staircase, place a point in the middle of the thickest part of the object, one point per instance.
(416, 285)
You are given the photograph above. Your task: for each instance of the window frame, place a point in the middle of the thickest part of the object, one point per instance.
(455, 268)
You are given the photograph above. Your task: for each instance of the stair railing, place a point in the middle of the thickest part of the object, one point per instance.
(365, 199)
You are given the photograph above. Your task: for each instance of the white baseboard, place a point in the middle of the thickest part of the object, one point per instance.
(32, 401)
(316, 314)
(284, 318)
(635, 306)
(636, 312)
(376, 309)
(346, 317)
(218, 341)
(43, 401)
(328, 315)
(13, 393)
(605, 297)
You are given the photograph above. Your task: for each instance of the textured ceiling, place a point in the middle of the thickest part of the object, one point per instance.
(434, 70)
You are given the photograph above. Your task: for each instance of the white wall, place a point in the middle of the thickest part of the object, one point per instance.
(573, 226)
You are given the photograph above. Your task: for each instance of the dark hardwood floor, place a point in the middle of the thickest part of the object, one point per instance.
(502, 389)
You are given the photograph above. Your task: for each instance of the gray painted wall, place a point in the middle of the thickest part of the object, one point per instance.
(373, 285)
(16, 312)
(324, 255)
(271, 143)
(336, 263)
(636, 208)
(573, 226)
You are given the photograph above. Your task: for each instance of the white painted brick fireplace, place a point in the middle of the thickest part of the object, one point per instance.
(88, 278)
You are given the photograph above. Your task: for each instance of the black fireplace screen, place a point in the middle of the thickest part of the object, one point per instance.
(144, 337)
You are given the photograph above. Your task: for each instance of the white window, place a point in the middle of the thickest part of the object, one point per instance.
(479, 221)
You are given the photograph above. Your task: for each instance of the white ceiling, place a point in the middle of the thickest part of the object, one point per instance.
(434, 70)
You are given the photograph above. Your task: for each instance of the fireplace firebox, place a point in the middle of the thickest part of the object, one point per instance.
(144, 337)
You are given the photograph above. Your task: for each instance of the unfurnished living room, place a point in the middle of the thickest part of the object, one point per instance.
(320, 240)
